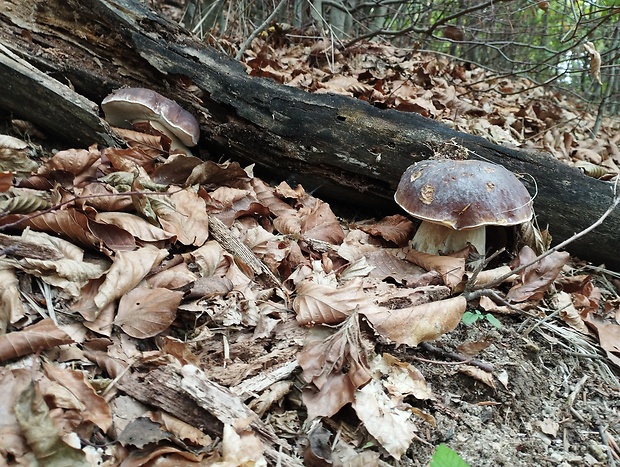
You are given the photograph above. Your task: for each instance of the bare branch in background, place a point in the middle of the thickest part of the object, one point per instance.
(540, 41)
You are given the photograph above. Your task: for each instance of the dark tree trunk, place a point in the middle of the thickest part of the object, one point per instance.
(352, 152)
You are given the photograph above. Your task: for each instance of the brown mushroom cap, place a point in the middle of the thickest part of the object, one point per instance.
(129, 105)
(463, 194)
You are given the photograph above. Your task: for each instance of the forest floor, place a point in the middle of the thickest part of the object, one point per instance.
(137, 327)
(556, 402)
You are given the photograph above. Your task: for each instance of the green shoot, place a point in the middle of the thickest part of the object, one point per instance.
(472, 317)
(446, 457)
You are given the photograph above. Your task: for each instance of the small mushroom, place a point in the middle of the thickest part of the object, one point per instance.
(127, 107)
(456, 199)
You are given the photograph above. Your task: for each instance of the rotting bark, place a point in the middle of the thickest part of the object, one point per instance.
(350, 151)
(203, 404)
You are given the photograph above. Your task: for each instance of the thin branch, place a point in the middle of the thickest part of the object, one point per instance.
(427, 31)
(258, 30)
(587, 230)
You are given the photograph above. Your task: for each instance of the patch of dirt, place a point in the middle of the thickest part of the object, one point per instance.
(550, 410)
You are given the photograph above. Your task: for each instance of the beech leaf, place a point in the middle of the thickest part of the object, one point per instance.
(327, 304)
(535, 280)
(451, 269)
(397, 229)
(146, 312)
(90, 405)
(333, 368)
(127, 270)
(387, 423)
(42, 435)
(419, 323)
(36, 337)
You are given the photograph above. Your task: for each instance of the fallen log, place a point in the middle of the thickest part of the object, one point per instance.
(350, 151)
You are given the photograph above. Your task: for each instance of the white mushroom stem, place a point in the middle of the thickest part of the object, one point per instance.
(436, 238)
(176, 146)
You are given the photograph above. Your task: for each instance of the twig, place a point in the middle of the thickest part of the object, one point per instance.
(603, 434)
(238, 249)
(587, 230)
(457, 356)
(258, 30)
(573, 395)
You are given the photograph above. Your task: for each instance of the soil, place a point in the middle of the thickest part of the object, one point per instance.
(555, 406)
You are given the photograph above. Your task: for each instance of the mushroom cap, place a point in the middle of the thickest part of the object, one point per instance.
(463, 194)
(128, 105)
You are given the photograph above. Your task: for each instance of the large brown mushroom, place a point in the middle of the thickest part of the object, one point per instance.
(127, 107)
(456, 199)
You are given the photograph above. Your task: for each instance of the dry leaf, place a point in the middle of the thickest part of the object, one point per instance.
(82, 163)
(479, 374)
(12, 441)
(327, 304)
(174, 278)
(73, 391)
(187, 218)
(112, 366)
(66, 274)
(397, 229)
(318, 451)
(127, 270)
(144, 312)
(419, 323)
(319, 223)
(288, 224)
(535, 280)
(549, 427)
(11, 306)
(241, 448)
(608, 336)
(400, 379)
(387, 423)
(42, 435)
(267, 197)
(181, 429)
(142, 432)
(176, 169)
(333, 368)
(70, 223)
(451, 269)
(35, 338)
(595, 61)
(386, 264)
(562, 302)
(136, 225)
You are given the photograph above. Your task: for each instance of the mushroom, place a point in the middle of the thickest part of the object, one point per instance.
(127, 107)
(456, 199)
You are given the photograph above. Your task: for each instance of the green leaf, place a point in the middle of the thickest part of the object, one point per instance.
(470, 318)
(446, 457)
(493, 320)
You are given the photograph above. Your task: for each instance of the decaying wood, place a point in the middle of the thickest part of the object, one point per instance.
(239, 250)
(11, 245)
(190, 396)
(350, 151)
(260, 382)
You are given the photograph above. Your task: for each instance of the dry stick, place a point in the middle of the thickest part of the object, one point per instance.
(456, 356)
(258, 30)
(587, 230)
(239, 250)
(596, 421)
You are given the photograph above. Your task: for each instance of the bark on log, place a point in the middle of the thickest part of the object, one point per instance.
(353, 152)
